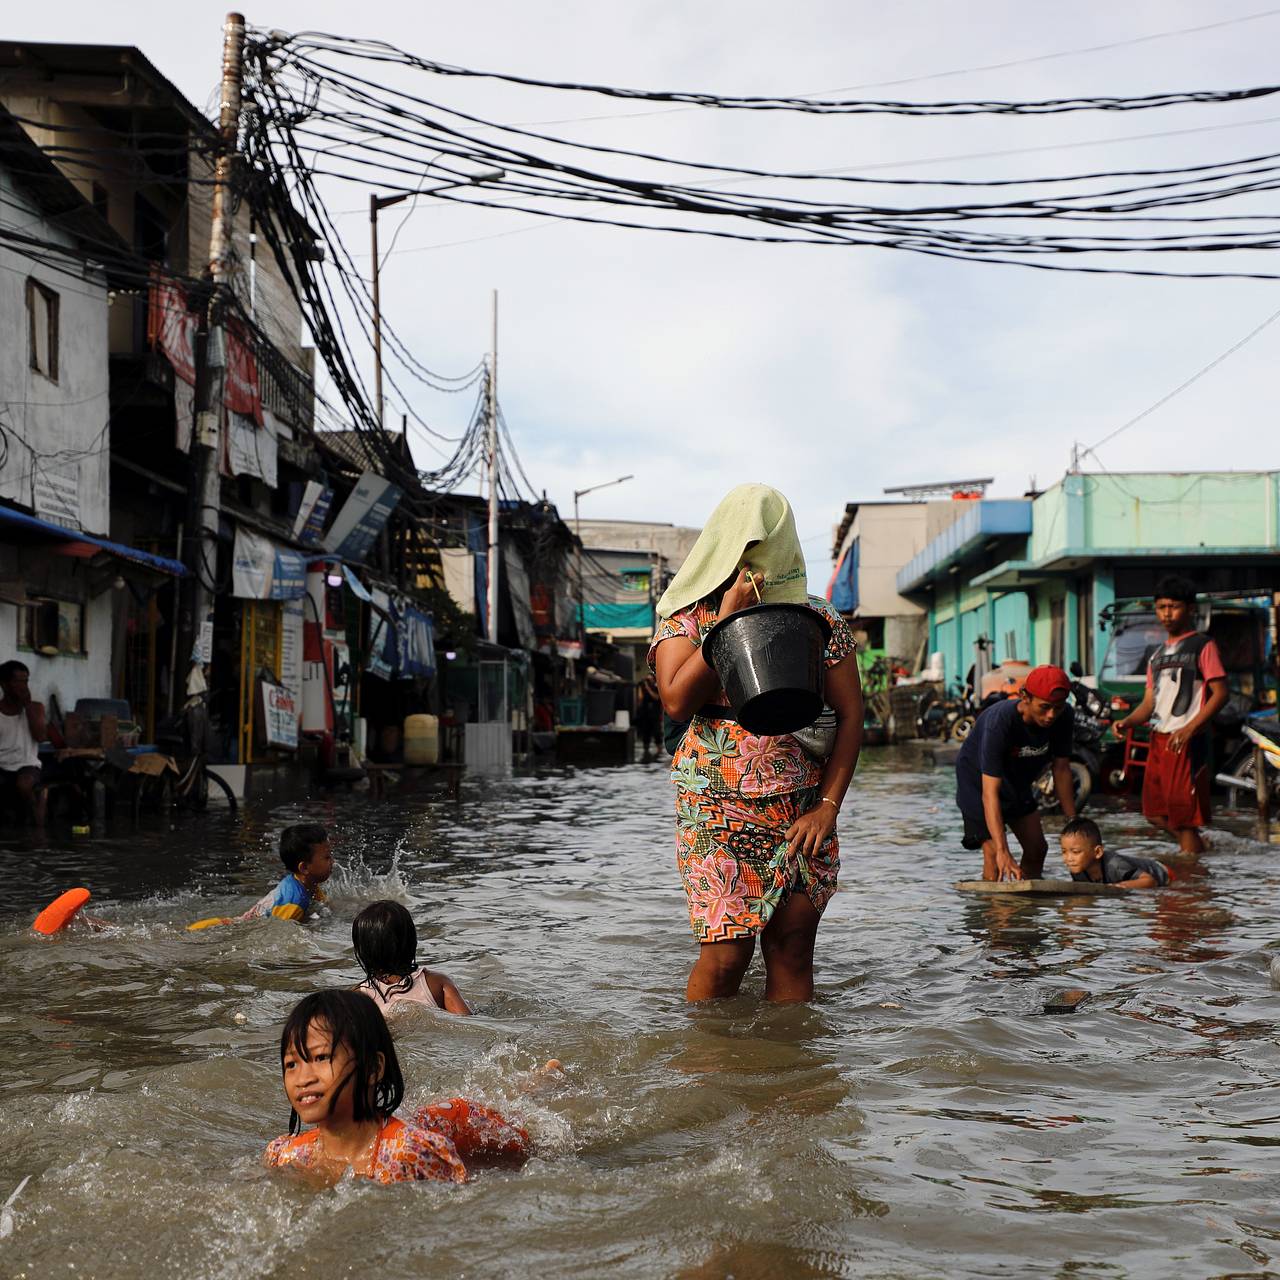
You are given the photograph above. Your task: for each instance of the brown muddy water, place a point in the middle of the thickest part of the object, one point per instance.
(921, 1118)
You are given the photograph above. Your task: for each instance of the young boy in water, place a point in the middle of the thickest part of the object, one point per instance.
(1087, 859)
(308, 860)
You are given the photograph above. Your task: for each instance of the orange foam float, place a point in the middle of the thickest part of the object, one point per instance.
(61, 911)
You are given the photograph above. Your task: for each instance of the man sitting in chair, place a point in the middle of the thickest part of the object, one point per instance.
(22, 727)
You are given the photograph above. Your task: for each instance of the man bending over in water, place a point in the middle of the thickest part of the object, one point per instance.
(1003, 755)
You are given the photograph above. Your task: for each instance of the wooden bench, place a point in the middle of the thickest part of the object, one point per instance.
(382, 776)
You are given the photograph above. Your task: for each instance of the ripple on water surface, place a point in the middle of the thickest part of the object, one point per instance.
(922, 1118)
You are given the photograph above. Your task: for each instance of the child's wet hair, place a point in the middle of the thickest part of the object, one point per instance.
(355, 1021)
(385, 940)
(297, 841)
(1083, 827)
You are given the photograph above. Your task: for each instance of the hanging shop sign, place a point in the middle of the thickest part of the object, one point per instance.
(261, 570)
(381, 661)
(279, 712)
(312, 510)
(362, 517)
(291, 647)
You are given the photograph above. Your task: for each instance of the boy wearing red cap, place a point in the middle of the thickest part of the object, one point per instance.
(1003, 755)
(1186, 688)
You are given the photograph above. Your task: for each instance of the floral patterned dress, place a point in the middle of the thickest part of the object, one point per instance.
(404, 1153)
(736, 795)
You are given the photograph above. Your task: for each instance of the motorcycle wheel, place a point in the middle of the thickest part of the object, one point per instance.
(962, 727)
(1082, 785)
(1245, 770)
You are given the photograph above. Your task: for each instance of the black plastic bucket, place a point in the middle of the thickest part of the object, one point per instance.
(769, 660)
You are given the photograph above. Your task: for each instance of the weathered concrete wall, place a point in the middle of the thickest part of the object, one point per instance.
(185, 210)
(70, 676)
(52, 429)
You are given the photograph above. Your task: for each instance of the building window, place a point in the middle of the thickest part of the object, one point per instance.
(51, 627)
(42, 329)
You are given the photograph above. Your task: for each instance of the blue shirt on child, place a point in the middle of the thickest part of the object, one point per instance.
(289, 900)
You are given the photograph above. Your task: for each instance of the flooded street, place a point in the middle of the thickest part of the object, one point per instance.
(922, 1118)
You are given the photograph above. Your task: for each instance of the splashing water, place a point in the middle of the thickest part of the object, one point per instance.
(922, 1117)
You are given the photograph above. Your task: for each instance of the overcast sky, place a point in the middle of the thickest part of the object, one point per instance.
(830, 373)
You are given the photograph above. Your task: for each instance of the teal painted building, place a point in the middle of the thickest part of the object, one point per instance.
(1034, 574)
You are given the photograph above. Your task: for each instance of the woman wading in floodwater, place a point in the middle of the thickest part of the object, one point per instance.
(755, 816)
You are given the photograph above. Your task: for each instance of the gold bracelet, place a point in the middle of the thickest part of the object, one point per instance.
(831, 802)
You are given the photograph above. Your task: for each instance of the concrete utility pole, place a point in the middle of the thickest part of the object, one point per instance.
(493, 563)
(205, 479)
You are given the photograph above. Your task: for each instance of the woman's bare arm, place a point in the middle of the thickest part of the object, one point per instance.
(843, 692)
(686, 681)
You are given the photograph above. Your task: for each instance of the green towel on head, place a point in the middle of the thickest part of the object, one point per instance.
(751, 513)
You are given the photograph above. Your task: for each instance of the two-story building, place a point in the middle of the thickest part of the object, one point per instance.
(67, 589)
(140, 157)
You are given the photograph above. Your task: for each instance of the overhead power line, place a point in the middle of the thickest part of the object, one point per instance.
(1182, 386)
(325, 107)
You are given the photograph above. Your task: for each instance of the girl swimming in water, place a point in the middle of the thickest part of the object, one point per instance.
(342, 1077)
(386, 945)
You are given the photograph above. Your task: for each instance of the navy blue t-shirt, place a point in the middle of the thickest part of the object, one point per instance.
(1125, 866)
(1002, 744)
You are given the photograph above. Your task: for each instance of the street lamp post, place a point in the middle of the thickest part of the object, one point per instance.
(376, 204)
(577, 533)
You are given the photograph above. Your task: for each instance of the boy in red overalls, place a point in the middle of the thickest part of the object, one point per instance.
(1186, 688)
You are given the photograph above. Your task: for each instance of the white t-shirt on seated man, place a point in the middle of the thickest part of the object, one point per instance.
(22, 722)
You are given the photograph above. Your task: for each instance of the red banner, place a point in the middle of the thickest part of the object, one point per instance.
(241, 391)
(172, 328)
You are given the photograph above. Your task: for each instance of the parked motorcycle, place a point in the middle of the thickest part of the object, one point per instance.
(949, 718)
(1262, 729)
(1089, 725)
